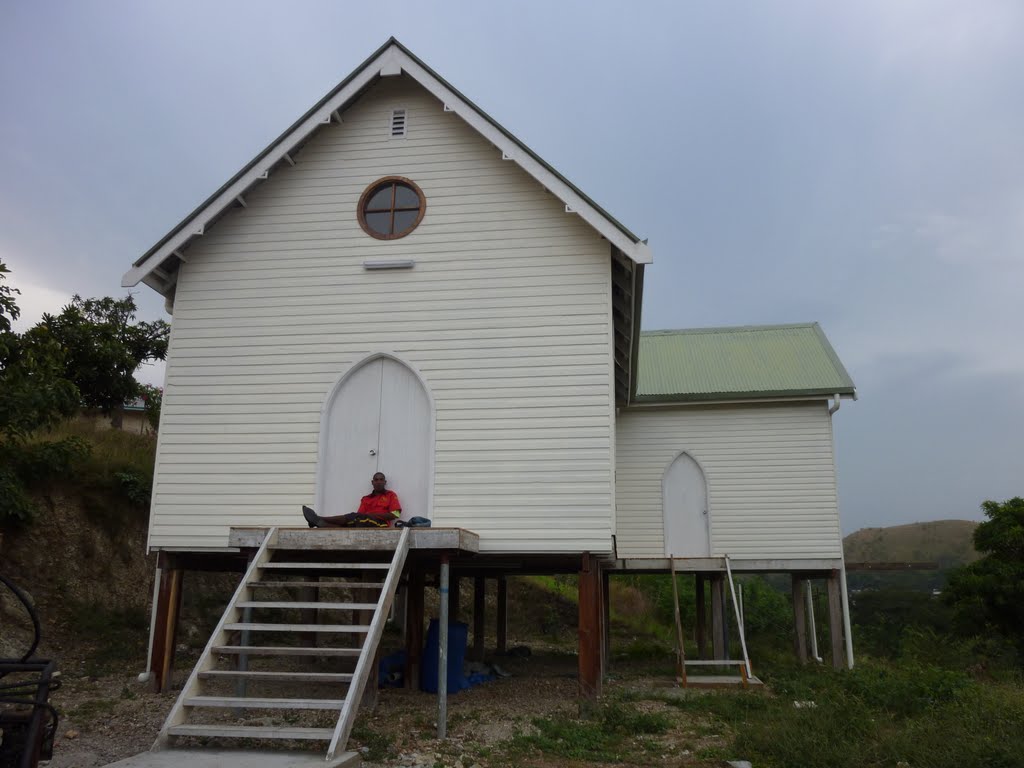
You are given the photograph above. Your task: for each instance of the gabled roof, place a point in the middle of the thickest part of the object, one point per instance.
(742, 363)
(157, 265)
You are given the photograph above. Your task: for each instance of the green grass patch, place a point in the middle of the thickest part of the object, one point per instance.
(378, 744)
(110, 472)
(613, 732)
(877, 714)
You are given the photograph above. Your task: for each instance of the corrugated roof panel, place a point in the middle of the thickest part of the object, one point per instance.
(742, 362)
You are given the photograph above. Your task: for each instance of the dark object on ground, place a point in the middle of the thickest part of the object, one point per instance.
(28, 721)
(519, 652)
(458, 633)
(391, 670)
(413, 522)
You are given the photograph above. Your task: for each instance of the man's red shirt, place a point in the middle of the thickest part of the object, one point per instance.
(380, 504)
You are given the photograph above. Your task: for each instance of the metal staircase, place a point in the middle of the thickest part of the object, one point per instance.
(269, 684)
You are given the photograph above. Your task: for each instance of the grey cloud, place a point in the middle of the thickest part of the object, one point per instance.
(859, 164)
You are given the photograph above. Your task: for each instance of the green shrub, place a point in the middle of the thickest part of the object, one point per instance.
(27, 467)
(16, 508)
(135, 487)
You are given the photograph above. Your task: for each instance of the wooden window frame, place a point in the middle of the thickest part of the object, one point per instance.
(371, 190)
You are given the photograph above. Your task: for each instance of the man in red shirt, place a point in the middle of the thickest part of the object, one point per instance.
(378, 509)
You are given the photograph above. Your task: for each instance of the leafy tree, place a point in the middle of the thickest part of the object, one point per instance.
(103, 347)
(33, 392)
(9, 311)
(992, 588)
(153, 397)
(33, 395)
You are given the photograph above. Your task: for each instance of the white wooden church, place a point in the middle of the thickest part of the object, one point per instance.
(399, 284)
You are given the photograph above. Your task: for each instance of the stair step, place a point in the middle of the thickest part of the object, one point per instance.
(354, 628)
(327, 566)
(242, 702)
(253, 732)
(327, 606)
(322, 584)
(284, 650)
(293, 677)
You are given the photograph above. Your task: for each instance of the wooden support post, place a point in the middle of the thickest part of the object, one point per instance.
(702, 618)
(400, 608)
(589, 628)
(799, 596)
(453, 597)
(718, 649)
(606, 621)
(835, 621)
(414, 629)
(369, 700)
(168, 608)
(479, 615)
(502, 628)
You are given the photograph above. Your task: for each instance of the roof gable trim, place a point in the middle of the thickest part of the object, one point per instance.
(392, 59)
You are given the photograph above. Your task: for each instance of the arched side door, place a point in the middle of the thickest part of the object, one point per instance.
(685, 509)
(379, 418)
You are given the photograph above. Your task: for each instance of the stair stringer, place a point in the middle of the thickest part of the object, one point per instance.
(369, 649)
(207, 660)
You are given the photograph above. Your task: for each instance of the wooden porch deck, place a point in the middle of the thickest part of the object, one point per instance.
(455, 541)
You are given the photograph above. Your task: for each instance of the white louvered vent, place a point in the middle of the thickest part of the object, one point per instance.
(397, 123)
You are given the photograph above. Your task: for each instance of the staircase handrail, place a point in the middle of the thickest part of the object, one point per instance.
(739, 618)
(346, 719)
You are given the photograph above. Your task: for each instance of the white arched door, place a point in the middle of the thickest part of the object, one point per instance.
(378, 419)
(685, 506)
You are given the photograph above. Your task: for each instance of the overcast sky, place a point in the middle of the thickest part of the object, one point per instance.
(860, 164)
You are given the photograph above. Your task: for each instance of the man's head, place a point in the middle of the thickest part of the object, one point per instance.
(379, 482)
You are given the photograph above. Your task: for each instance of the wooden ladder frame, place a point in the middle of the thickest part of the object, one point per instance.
(681, 661)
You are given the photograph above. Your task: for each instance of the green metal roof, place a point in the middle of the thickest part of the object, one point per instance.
(738, 364)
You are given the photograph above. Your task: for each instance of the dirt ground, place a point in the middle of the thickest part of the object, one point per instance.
(107, 718)
(92, 587)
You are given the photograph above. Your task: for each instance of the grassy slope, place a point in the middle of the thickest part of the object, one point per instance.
(83, 558)
(947, 542)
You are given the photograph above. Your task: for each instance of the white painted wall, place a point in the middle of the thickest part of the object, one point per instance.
(506, 316)
(770, 478)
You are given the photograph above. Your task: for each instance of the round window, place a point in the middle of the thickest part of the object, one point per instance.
(391, 208)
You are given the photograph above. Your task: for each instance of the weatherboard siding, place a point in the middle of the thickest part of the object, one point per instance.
(506, 316)
(769, 471)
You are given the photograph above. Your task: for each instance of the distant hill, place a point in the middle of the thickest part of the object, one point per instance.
(946, 542)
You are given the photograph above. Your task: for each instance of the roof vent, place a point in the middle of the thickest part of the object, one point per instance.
(397, 123)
